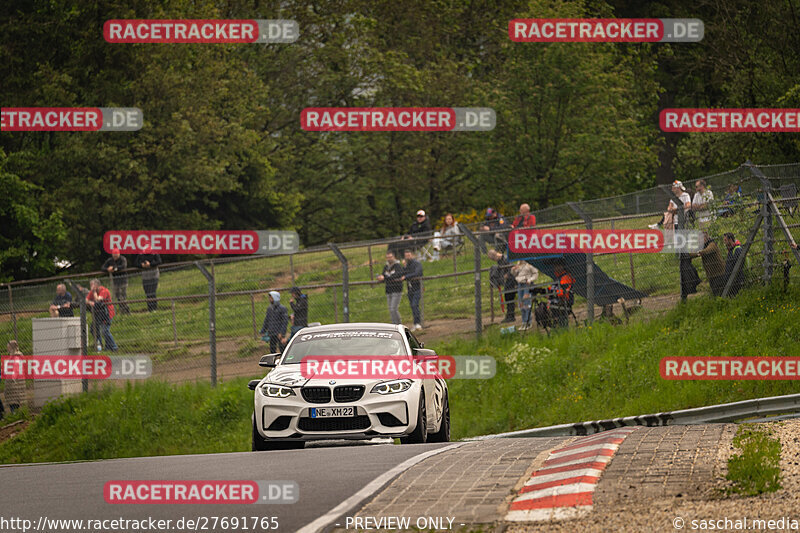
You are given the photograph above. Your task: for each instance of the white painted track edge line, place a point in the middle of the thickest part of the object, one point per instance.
(370, 488)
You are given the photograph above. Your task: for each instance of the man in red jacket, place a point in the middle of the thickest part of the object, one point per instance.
(99, 301)
(525, 219)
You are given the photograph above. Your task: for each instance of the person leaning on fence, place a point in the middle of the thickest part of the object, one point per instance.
(526, 275)
(562, 297)
(116, 265)
(525, 219)
(412, 275)
(102, 309)
(299, 316)
(15, 392)
(148, 262)
(496, 223)
(734, 252)
(500, 276)
(392, 278)
(701, 203)
(62, 303)
(275, 322)
(712, 264)
(669, 220)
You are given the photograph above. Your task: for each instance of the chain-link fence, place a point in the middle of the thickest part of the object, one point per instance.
(206, 320)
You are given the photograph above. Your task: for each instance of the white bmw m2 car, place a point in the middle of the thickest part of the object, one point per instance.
(292, 406)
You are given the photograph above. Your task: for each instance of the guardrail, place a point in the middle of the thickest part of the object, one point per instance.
(726, 412)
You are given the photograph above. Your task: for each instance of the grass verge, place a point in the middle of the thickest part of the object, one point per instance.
(756, 468)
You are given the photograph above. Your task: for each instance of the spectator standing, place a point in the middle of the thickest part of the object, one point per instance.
(392, 278)
(700, 203)
(275, 322)
(412, 275)
(712, 264)
(669, 220)
(450, 233)
(732, 200)
(299, 316)
(734, 251)
(525, 219)
(62, 303)
(500, 276)
(116, 265)
(102, 308)
(148, 262)
(525, 275)
(15, 392)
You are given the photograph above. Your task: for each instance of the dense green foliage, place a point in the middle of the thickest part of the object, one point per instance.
(586, 374)
(222, 148)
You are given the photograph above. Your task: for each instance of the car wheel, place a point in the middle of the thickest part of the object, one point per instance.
(443, 435)
(420, 433)
(260, 444)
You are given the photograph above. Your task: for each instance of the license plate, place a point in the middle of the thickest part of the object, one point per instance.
(330, 412)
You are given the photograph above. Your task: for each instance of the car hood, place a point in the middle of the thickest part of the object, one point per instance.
(290, 376)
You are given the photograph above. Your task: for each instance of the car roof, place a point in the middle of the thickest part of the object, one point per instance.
(369, 326)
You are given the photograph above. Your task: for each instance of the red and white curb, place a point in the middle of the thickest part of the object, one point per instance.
(563, 486)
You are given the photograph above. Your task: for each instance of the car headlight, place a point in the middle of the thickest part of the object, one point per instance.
(276, 391)
(392, 387)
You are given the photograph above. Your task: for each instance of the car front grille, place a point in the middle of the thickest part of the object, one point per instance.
(334, 424)
(348, 393)
(316, 394)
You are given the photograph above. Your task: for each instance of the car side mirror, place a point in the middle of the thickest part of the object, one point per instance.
(269, 360)
(424, 355)
(253, 383)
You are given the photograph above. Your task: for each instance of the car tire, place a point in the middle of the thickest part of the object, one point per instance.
(420, 433)
(443, 435)
(260, 444)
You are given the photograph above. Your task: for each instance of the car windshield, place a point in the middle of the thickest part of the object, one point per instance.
(345, 343)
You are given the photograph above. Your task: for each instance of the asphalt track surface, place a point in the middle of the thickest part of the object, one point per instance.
(326, 477)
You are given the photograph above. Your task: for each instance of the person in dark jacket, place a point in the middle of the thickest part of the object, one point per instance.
(62, 303)
(501, 277)
(496, 223)
(299, 316)
(392, 277)
(116, 265)
(275, 322)
(420, 231)
(412, 275)
(148, 262)
(734, 251)
(712, 264)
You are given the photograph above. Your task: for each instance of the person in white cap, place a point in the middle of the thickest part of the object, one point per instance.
(275, 322)
(670, 218)
(420, 231)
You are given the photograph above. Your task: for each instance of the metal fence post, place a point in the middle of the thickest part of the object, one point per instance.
(253, 314)
(174, 325)
(212, 319)
(84, 334)
(13, 314)
(478, 248)
(345, 282)
(769, 237)
(589, 265)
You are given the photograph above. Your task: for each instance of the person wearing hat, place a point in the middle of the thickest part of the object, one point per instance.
(420, 230)
(148, 262)
(275, 322)
(116, 265)
(670, 218)
(493, 222)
